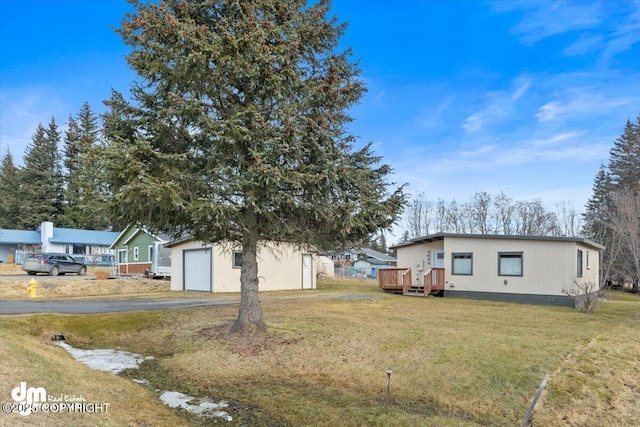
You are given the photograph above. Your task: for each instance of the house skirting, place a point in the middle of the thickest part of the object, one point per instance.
(134, 268)
(558, 300)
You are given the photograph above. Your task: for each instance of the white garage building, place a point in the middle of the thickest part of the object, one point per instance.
(196, 266)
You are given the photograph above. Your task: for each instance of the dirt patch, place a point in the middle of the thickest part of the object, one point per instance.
(245, 344)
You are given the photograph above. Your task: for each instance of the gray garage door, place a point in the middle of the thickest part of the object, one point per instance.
(197, 270)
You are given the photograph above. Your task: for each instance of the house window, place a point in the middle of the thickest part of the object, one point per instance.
(237, 259)
(509, 263)
(588, 260)
(462, 263)
(136, 253)
(579, 266)
(122, 256)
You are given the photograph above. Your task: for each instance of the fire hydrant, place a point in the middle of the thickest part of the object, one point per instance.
(32, 289)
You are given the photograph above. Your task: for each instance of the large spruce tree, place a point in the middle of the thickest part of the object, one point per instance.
(624, 157)
(10, 201)
(612, 214)
(238, 131)
(41, 178)
(86, 206)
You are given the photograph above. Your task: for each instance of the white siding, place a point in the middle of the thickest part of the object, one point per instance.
(419, 258)
(548, 266)
(279, 268)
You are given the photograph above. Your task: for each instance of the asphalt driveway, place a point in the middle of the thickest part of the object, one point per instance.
(107, 305)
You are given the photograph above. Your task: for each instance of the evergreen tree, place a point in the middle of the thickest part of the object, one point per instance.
(10, 202)
(611, 213)
(41, 179)
(85, 191)
(624, 158)
(240, 132)
(598, 208)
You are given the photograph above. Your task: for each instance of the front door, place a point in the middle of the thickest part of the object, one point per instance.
(438, 259)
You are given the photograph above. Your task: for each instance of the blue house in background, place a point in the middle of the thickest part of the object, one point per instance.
(89, 246)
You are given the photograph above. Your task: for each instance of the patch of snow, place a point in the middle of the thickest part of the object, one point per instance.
(109, 360)
(116, 361)
(202, 407)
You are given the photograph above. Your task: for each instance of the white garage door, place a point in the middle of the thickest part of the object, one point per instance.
(197, 270)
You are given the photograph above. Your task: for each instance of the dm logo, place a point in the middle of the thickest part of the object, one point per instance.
(29, 396)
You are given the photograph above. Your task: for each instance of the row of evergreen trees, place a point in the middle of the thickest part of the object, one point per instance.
(65, 187)
(612, 214)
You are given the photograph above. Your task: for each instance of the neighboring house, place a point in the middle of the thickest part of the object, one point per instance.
(138, 251)
(91, 246)
(214, 268)
(324, 267)
(528, 269)
(361, 262)
(14, 242)
(370, 261)
(348, 255)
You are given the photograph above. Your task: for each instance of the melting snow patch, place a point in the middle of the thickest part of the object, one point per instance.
(108, 360)
(116, 361)
(203, 407)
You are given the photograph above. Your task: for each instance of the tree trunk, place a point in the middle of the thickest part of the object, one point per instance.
(250, 319)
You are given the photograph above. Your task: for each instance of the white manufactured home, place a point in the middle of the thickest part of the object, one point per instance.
(196, 266)
(526, 269)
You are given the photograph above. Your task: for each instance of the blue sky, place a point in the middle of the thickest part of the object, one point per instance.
(523, 97)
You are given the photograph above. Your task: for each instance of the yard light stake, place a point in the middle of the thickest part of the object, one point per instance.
(386, 401)
(525, 422)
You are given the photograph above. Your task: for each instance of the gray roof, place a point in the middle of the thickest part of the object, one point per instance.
(442, 236)
(370, 253)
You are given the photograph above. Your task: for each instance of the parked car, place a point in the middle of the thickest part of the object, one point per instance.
(52, 264)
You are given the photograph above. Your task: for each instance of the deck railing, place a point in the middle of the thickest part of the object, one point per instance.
(394, 279)
(433, 280)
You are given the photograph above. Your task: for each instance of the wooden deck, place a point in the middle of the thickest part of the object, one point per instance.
(399, 281)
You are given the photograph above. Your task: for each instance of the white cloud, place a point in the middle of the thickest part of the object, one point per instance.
(474, 122)
(586, 43)
(545, 19)
(575, 102)
(498, 105)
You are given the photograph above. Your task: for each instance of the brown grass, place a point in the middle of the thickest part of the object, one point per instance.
(48, 287)
(455, 362)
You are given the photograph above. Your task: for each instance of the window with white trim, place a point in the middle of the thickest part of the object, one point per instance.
(509, 263)
(122, 256)
(136, 253)
(462, 263)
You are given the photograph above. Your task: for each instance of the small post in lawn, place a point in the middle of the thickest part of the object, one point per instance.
(525, 422)
(386, 400)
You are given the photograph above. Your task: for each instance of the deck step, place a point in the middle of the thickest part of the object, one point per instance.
(414, 292)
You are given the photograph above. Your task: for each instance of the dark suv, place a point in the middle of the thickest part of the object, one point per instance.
(52, 264)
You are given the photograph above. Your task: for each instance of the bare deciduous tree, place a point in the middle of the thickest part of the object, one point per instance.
(569, 220)
(481, 216)
(625, 222)
(585, 295)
